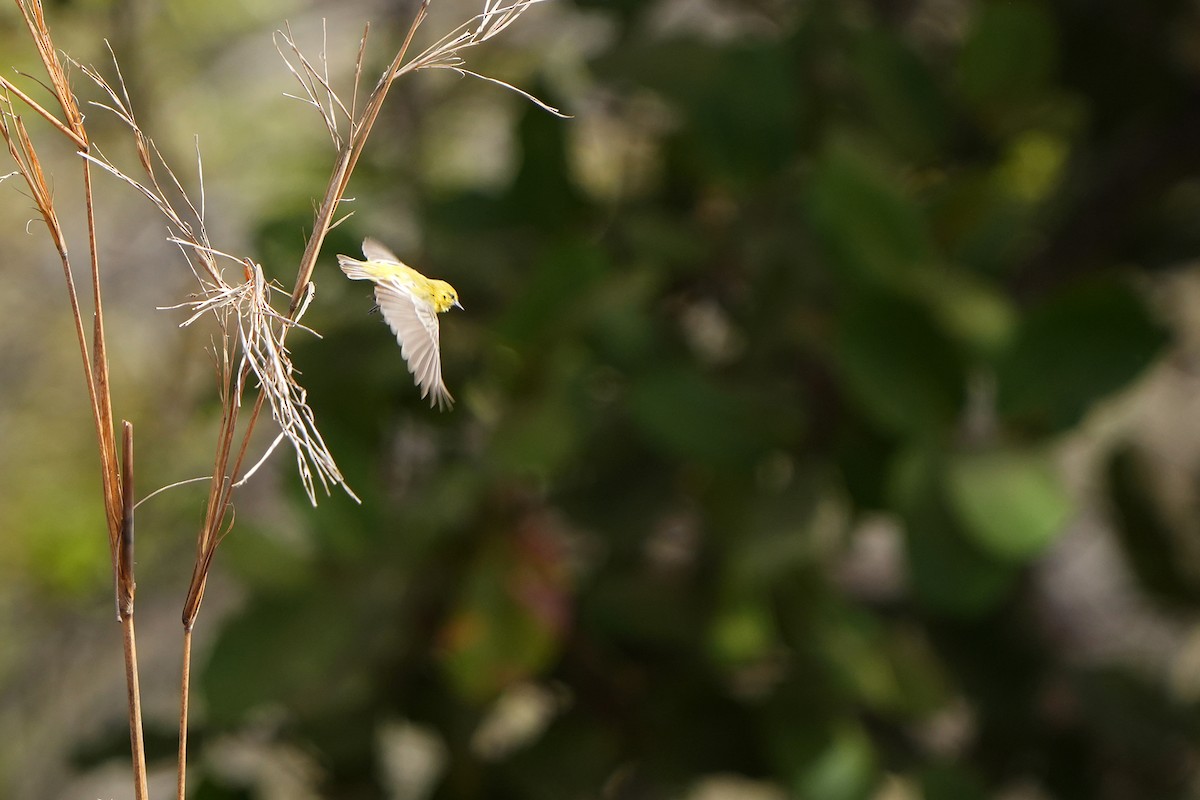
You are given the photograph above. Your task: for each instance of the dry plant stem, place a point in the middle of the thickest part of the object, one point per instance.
(184, 687)
(80, 142)
(125, 593)
(219, 504)
(136, 743)
(220, 494)
(95, 372)
(126, 586)
(360, 129)
(100, 369)
(222, 486)
(117, 491)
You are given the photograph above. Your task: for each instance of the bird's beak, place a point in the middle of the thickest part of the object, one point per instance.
(459, 305)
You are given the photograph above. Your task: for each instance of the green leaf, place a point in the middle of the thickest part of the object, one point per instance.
(845, 770)
(951, 782)
(1009, 55)
(870, 230)
(971, 309)
(1075, 350)
(1156, 552)
(542, 194)
(550, 297)
(742, 102)
(688, 416)
(949, 571)
(538, 439)
(1011, 503)
(511, 615)
(742, 633)
(281, 650)
(899, 366)
(902, 98)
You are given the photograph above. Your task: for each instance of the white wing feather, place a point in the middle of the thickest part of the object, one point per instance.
(416, 327)
(375, 251)
(354, 269)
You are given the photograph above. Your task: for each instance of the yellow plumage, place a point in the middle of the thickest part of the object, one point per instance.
(410, 303)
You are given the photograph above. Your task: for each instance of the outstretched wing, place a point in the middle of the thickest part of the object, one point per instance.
(416, 327)
(375, 251)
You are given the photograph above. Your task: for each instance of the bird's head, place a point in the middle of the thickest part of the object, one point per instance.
(444, 296)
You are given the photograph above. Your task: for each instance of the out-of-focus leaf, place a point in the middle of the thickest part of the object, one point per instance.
(951, 782)
(1145, 725)
(949, 572)
(543, 194)
(742, 633)
(272, 563)
(570, 760)
(536, 439)
(974, 311)
(552, 293)
(898, 365)
(513, 610)
(905, 103)
(742, 104)
(1009, 54)
(845, 770)
(854, 645)
(210, 787)
(63, 546)
(870, 230)
(1011, 503)
(644, 609)
(980, 228)
(1033, 166)
(1149, 542)
(689, 416)
(1074, 350)
(892, 672)
(279, 649)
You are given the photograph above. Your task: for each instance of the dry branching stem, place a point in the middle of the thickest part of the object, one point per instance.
(116, 491)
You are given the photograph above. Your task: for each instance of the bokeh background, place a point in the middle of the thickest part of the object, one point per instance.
(828, 421)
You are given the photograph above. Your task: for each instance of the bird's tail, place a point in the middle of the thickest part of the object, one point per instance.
(354, 268)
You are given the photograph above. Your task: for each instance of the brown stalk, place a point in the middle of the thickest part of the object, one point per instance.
(219, 504)
(222, 485)
(126, 586)
(185, 681)
(348, 158)
(44, 114)
(117, 492)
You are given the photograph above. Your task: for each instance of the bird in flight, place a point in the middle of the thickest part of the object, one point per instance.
(410, 303)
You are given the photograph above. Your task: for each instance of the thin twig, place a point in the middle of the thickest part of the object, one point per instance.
(79, 141)
(125, 592)
(162, 489)
(347, 159)
(133, 688)
(117, 493)
(185, 680)
(126, 585)
(446, 53)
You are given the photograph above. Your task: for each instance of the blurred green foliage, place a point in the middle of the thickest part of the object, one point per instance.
(755, 455)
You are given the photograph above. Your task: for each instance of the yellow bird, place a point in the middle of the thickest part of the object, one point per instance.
(410, 303)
